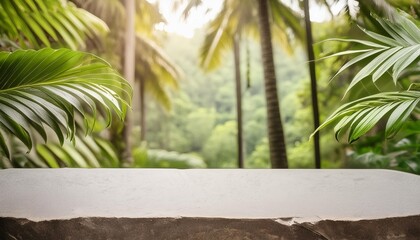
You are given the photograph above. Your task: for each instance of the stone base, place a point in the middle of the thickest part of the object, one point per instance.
(84, 204)
(208, 228)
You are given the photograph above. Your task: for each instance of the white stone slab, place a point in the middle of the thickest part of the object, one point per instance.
(46, 194)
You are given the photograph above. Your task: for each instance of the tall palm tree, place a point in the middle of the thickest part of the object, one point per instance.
(129, 71)
(156, 74)
(277, 143)
(225, 30)
(312, 74)
(238, 89)
(235, 21)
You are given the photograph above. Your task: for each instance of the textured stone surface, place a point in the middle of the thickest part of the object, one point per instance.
(206, 228)
(45, 194)
(208, 204)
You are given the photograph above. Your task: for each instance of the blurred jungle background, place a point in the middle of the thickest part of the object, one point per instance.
(203, 94)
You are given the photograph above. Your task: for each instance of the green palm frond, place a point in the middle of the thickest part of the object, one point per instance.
(358, 117)
(110, 11)
(221, 30)
(240, 17)
(217, 40)
(285, 19)
(90, 151)
(394, 51)
(36, 23)
(157, 70)
(235, 18)
(47, 87)
(149, 15)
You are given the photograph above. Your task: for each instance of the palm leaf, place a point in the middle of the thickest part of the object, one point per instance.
(285, 19)
(35, 23)
(217, 40)
(45, 88)
(90, 152)
(393, 53)
(157, 70)
(149, 15)
(359, 116)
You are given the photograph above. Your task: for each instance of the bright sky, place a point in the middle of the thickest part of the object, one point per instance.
(199, 16)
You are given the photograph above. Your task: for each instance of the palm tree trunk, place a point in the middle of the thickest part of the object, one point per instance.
(276, 139)
(142, 110)
(236, 53)
(129, 68)
(314, 91)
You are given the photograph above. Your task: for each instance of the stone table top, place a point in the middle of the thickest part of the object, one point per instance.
(308, 195)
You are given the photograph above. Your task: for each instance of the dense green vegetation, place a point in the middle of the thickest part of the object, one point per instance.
(186, 116)
(46, 93)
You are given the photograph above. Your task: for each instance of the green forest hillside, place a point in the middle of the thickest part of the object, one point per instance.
(202, 118)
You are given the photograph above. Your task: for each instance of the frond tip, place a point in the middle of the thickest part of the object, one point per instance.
(386, 54)
(48, 87)
(359, 116)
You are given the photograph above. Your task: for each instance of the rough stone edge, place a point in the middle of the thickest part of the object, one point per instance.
(208, 228)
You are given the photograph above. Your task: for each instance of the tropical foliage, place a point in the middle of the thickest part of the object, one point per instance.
(46, 87)
(89, 151)
(391, 58)
(200, 129)
(399, 154)
(44, 91)
(36, 23)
